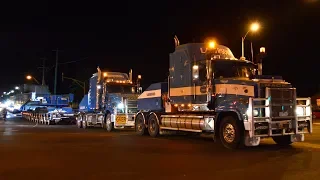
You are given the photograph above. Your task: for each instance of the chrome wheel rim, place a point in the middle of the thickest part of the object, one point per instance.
(152, 126)
(229, 133)
(139, 126)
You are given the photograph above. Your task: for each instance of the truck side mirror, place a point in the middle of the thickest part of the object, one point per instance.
(195, 72)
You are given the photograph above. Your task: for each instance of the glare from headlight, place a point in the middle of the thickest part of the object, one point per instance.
(299, 111)
(255, 112)
(120, 106)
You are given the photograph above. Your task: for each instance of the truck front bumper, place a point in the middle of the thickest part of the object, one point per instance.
(267, 126)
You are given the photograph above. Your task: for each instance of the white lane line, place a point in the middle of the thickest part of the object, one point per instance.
(35, 125)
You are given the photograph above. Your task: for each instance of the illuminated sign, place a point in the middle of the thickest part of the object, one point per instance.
(219, 50)
(275, 85)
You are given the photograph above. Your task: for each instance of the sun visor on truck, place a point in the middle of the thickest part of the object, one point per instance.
(196, 51)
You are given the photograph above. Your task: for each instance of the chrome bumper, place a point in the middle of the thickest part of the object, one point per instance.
(268, 126)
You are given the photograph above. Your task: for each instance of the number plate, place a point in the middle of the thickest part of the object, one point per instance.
(281, 114)
(121, 119)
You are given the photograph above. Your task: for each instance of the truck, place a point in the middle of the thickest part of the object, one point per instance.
(209, 91)
(111, 102)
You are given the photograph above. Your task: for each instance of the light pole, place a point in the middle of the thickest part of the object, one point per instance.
(254, 27)
(31, 77)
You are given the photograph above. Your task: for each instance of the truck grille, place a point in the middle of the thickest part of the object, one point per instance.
(282, 102)
(132, 106)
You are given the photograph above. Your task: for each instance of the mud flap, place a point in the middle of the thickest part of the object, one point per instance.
(251, 141)
(297, 138)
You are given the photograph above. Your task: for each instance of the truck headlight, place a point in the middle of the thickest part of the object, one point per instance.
(299, 111)
(255, 112)
(120, 106)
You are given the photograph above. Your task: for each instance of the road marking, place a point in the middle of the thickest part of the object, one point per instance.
(35, 125)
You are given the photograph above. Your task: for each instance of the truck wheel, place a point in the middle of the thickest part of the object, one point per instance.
(282, 140)
(109, 124)
(231, 133)
(153, 126)
(140, 127)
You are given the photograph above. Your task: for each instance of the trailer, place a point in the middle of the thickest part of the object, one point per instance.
(111, 102)
(210, 91)
(49, 109)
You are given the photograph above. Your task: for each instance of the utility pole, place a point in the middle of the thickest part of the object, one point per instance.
(56, 72)
(43, 67)
(43, 70)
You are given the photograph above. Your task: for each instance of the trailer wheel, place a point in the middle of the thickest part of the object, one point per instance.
(140, 127)
(153, 126)
(109, 124)
(231, 133)
(282, 140)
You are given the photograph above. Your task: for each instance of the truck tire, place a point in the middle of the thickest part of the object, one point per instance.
(153, 126)
(140, 127)
(231, 133)
(109, 124)
(282, 140)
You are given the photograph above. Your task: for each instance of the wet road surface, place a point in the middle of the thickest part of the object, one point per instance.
(31, 151)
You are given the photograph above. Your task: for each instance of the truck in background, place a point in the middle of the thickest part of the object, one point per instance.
(210, 91)
(49, 109)
(111, 102)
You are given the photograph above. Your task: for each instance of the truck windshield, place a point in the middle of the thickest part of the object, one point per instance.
(120, 88)
(233, 69)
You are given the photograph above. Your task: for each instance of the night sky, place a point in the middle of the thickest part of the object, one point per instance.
(139, 35)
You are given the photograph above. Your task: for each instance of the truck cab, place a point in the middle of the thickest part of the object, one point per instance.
(211, 91)
(111, 102)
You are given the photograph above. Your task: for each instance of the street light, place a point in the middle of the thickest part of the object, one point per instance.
(31, 77)
(211, 44)
(253, 28)
(17, 87)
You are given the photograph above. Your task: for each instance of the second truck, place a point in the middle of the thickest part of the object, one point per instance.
(111, 102)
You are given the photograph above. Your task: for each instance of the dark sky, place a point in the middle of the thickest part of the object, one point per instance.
(119, 35)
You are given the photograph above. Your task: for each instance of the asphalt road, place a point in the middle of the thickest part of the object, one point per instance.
(29, 151)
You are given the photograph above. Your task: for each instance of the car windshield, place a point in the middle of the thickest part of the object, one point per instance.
(120, 88)
(233, 69)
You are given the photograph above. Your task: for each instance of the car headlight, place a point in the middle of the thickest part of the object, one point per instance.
(120, 106)
(299, 111)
